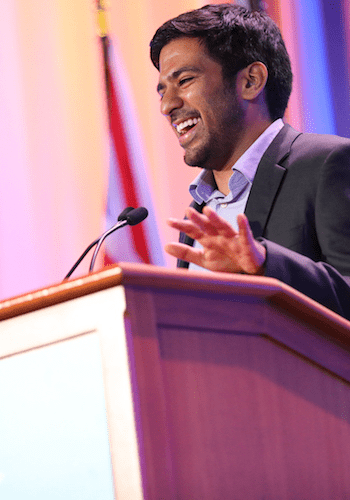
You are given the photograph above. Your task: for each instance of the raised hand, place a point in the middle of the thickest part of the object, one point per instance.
(224, 249)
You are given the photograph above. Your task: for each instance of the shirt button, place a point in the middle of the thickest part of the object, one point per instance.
(223, 205)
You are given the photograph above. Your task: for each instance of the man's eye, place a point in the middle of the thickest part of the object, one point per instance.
(185, 80)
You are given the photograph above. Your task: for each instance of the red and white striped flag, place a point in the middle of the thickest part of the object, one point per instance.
(128, 180)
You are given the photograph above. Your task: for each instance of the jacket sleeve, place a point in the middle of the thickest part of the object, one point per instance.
(317, 280)
(327, 280)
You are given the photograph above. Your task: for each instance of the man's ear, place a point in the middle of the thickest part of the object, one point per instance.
(252, 80)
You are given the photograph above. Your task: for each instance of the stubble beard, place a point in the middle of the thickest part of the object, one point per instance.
(214, 151)
(204, 156)
(198, 157)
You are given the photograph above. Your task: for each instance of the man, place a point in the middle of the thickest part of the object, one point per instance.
(270, 200)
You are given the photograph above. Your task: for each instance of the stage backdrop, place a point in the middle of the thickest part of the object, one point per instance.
(58, 161)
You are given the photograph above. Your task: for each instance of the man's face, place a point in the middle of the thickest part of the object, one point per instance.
(203, 109)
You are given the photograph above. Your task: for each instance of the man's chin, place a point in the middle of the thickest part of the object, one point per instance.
(200, 164)
(195, 159)
(191, 163)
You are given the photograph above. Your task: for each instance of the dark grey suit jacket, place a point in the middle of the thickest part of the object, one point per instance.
(299, 208)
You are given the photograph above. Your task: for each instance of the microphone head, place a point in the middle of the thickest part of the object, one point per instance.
(137, 215)
(124, 213)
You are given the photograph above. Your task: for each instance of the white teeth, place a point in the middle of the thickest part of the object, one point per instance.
(187, 123)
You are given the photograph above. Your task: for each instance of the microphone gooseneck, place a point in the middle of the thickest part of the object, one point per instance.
(129, 216)
(81, 258)
(133, 217)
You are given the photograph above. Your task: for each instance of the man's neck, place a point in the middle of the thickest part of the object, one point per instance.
(222, 177)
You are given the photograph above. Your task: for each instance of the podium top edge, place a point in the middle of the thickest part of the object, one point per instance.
(262, 288)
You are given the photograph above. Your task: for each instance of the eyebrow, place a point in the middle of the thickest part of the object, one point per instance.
(177, 73)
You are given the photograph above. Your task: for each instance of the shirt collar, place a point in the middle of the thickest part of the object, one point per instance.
(203, 185)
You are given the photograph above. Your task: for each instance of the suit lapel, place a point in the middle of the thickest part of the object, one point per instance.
(268, 179)
(183, 238)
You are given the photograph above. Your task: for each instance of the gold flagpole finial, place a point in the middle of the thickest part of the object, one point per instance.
(102, 17)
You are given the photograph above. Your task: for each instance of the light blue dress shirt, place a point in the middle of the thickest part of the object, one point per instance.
(203, 188)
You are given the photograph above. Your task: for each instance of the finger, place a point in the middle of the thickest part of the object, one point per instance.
(185, 226)
(245, 233)
(222, 226)
(201, 221)
(255, 253)
(185, 252)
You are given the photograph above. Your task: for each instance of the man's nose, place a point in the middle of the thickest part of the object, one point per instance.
(170, 101)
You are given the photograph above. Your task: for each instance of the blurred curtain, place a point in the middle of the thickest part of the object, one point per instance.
(317, 35)
(53, 150)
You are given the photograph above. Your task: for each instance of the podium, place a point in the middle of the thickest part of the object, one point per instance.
(139, 382)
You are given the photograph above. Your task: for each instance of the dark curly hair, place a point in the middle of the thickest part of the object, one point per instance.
(235, 37)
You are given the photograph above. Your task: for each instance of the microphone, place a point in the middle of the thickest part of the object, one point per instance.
(129, 216)
(124, 213)
(136, 215)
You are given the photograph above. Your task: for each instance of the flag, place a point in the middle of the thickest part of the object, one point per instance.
(128, 183)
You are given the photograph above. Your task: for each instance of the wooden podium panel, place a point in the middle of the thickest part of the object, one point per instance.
(242, 399)
(215, 386)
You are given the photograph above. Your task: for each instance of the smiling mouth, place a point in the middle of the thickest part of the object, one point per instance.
(183, 127)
